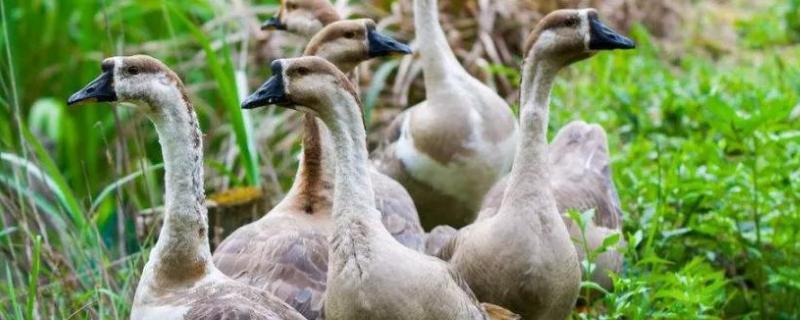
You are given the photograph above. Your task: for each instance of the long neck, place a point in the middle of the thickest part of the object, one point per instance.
(437, 58)
(182, 251)
(356, 221)
(529, 177)
(354, 196)
(315, 177)
(313, 183)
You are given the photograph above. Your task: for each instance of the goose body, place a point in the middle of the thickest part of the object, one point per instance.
(450, 149)
(286, 251)
(370, 276)
(581, 180)
(526, 244)
(179, 280)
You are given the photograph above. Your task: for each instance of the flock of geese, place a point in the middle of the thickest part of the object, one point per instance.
(347, 241)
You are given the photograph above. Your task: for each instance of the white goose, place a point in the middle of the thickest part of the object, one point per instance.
(449, 150)
(286, 251)
(179, 280)
(526, 245)
(371, 276)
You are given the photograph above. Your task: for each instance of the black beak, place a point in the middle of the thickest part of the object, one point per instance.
(382, 45)
(603, 38)
(273, 23)
(99, 90)
(271, 92)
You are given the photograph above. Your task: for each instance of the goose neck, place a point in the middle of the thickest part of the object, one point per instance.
(182, 250)
(529, 174)
(315, 172)
(356, 221)
(353, 188)
(437, 56)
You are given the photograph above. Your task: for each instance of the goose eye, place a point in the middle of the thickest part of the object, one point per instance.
(291, 6)
(349, 34)
(133, 70)
(302, 71)
(572, 22)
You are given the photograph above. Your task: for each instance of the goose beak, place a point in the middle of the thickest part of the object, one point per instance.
(271, 92)
(604, 38)
(273, 23)
(382, 45)
(100, 89)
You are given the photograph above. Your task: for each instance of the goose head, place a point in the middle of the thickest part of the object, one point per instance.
(302, 17)
(347, 43)
(309, 84)
(567, 36)
(141, 80)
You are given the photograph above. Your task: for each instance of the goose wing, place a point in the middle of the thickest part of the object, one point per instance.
(289, 262)
(582, 173)
(398, 213)
(232, 300)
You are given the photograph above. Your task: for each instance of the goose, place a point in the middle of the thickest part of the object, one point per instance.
(302, 17)
(371, 276)
(526, 244)
(179, 280)
(286, 251)
(580, 180)
(449, 150)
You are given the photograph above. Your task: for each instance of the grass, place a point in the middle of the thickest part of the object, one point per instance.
(705, 150)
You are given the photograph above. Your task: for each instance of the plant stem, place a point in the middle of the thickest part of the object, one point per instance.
(33, 278)
(757, 222)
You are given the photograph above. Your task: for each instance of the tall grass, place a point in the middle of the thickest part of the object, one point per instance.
(705, 151)
(72, 179)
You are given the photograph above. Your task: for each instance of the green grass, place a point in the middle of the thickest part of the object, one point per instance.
(705, 151)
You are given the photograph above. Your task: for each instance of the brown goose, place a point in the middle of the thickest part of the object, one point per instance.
(371, 275)
(526, 244)
(286, 251)
(179, 280)
(449, 150)
(581, 180)
(302, 17)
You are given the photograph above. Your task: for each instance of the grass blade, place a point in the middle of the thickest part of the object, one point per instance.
(33, 278)
(224, 76)
(12, 295)
(108, 190)
(58, 188)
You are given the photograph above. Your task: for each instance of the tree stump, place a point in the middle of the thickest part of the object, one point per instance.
(227, 211)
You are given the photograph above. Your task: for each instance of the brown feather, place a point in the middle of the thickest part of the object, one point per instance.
(288, 261)
(499, 313)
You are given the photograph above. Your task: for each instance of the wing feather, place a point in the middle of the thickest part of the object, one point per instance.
(287, 262)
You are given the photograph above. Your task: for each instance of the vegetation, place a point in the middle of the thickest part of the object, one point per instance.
(705, 143)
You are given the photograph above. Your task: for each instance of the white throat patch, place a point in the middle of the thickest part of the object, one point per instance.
(585, 28)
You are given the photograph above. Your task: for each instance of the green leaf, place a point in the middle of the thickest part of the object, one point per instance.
(608, 242)
(593, 286)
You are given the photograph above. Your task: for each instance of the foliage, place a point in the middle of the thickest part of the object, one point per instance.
(706, 153)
